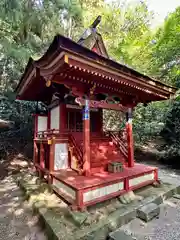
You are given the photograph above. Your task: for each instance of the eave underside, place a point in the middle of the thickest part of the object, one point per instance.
(79, 72)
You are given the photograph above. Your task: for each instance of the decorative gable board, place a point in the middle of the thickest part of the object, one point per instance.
(55, 117)
(99, 46)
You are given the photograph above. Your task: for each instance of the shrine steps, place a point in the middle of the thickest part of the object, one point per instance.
(102, 151)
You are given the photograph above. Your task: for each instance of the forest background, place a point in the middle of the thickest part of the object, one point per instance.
(27, 28)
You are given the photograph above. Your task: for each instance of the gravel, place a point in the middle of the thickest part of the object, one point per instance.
(17, 221)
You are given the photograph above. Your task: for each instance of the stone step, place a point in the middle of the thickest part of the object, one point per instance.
(177, 196)
(119, 235)
(148, 212)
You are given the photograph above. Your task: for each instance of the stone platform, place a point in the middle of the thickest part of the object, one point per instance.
(98, 221)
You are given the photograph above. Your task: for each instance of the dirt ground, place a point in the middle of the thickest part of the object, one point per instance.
(17, 221)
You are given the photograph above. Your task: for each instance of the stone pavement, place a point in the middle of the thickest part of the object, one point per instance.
(17, 221)
(164, 227)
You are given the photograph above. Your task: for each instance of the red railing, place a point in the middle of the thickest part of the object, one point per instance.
(120, 141)
(77, 149)
(51, 133)
(74, 148)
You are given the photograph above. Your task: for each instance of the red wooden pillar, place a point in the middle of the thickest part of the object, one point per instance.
(130, 138)
(86, 139)
(41, 155)
(35, 150)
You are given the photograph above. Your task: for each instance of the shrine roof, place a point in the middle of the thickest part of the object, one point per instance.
(65, 55)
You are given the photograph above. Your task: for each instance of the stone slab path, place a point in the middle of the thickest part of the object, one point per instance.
(167, 225)
(17, 221)
(164, 227)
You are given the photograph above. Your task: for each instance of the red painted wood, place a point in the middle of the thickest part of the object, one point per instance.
(82, 184)
(125, 78)
(79, 199)
(156, 174)
(103, 152)
(41, 155)
(130, 141)
(35, 152)
(51, 157)
(86, 141)
(101, 104)
(49, 119)
(126, 184)
(74, 180)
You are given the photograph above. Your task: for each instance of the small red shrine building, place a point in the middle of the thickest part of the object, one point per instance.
(71, 149)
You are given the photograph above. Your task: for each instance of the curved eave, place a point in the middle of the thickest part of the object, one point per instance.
(64, 52)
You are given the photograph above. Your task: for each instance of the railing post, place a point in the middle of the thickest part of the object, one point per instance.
(86, 139)
(130, 138)
(35, 155)
(41, 155)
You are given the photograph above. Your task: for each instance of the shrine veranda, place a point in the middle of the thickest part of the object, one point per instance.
(72, 150)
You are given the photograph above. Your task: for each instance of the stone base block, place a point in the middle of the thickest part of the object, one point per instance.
(177, 196)
(148, 212)
(119, 235)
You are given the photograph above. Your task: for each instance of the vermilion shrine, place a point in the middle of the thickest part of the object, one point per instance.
(72, 150)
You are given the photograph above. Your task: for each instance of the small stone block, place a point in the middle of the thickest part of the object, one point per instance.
(127, 197)
(177, 196)
(119, 235)
(79, 217)
(148, 212)
(115, 167)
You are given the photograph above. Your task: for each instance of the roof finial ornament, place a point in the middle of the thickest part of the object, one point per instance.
(89, 30)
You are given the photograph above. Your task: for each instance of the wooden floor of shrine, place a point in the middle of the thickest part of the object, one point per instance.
(82, 191)
(72, 179)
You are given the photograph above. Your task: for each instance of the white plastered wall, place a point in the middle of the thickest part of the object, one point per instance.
(103, 191)
(42, 123)
(64, 188)
(142, 179)
(55, 117)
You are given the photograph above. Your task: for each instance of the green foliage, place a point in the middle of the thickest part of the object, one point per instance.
(171, 134)
(149, 121)
(26, 29)
(166, 52)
